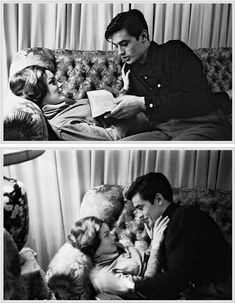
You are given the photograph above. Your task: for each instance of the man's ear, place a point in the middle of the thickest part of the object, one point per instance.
(158, 199)
(144, 36)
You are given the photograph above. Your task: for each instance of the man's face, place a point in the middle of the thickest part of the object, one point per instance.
(145, 210)
(130, 49)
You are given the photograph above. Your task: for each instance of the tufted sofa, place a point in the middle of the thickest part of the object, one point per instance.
(68, 272)
(81, 71)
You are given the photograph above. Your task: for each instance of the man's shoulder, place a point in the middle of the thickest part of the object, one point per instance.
(174, 44)
(188, 211)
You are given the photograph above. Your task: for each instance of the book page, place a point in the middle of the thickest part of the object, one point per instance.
(101, 102)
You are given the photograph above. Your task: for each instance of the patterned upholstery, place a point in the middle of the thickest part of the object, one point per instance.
(81, 71)
(68, 274)
(129, 230)
(105, 202)
(32, 56)
(217, 63)
(23, 120)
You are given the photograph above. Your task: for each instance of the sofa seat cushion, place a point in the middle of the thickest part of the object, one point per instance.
(23, 120)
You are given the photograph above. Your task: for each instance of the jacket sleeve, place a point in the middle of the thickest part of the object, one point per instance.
(181, 240)
(189, 94)
(82, 131)
(153, 265)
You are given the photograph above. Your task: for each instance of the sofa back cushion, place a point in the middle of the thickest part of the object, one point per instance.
(217, 65)
(105, 202)
(82, 71)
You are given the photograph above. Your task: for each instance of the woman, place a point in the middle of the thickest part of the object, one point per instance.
(92, 236)
(71, 120)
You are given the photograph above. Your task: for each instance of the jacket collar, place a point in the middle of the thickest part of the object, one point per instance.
(149, 56)
(170, 210)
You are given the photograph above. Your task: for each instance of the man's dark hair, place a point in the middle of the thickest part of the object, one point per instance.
(149, 185)
(133, 21)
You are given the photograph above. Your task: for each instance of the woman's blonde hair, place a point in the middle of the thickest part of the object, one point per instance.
(30, 84)
(85, 235)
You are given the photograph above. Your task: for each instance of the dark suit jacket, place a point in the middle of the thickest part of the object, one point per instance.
(194, 252)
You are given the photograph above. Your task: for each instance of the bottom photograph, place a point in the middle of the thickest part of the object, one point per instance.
(113, 224)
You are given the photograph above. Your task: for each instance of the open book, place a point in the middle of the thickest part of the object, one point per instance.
(101, 102)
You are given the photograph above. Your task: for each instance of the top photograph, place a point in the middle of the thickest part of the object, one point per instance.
(116, 72)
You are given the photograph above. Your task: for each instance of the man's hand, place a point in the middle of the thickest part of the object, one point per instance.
(127, 106)
(158, 231)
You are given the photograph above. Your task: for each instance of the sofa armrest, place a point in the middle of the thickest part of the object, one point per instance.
(23, 120)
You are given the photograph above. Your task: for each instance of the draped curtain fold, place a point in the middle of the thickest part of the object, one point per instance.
(82, 25)
(57, 180)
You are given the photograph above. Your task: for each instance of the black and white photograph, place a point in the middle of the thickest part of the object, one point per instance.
(117, 151)
(117, 71)
(117, 224)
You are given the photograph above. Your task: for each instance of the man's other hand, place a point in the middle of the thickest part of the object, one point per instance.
(127, 106)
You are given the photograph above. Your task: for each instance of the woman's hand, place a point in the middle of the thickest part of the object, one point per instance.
(125, 77)
(158, 231)
(105, 281)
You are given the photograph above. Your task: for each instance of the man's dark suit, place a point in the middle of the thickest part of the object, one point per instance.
(194, 253)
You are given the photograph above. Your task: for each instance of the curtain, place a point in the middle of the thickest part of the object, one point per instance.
(82, 25)
(57, 180)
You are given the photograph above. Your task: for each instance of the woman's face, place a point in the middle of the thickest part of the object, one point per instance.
(52, 96)
(107, 241)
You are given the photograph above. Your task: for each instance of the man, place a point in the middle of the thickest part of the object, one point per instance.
(168, 84)
(196, 260)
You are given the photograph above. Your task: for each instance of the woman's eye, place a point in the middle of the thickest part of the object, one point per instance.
(124, 44)
(52, 81)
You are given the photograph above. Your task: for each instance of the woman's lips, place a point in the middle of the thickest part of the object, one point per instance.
(125, 58)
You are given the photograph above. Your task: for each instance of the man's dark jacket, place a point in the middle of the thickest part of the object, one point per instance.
(194, 252)
(173, 83)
